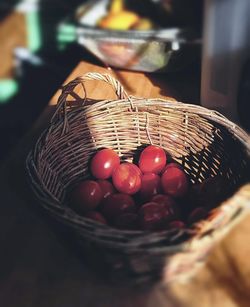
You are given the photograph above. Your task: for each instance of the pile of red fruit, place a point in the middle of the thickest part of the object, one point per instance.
(146, 196)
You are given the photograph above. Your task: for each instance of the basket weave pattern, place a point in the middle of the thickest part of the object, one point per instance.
(203, 141)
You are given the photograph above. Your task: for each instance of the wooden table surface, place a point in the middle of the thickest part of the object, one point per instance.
(37, 268)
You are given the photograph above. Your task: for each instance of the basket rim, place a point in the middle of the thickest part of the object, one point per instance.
(210, 114)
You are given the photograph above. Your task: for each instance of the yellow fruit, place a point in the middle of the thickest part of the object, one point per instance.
(116, 6)
(123, 20)
(143, 24)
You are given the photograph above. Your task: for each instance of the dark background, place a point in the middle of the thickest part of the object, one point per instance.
(38, 83)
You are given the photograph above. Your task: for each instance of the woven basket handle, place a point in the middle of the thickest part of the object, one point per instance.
(68, 89)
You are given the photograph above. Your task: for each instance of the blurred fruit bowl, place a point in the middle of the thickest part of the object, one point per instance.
(122, 38)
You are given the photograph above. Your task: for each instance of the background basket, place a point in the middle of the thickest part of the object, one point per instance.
(203, 141)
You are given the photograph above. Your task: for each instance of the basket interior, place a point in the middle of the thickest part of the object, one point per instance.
(203, 147)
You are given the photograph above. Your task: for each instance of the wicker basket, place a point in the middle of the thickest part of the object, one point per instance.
(203, 141)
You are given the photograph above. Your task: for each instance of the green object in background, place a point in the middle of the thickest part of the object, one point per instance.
(33, 31)
(66, 34)
(8, 88)
(31, 10)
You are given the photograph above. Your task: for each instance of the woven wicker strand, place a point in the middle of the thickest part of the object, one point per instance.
(203, 141)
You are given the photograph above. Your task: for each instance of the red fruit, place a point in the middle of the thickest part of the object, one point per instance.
(152, 159)
(153, 216)
(175, 164)
(197, 214)
(169, 203)
(86, 196)
(126, 221)
(106, 187)
(174, 182)
(126, 178)
(171, 164)
(103, 163)
(117, 204)
(164, 199)
(136, 168)
(96, 216)
(150, 185)
(176, 225)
